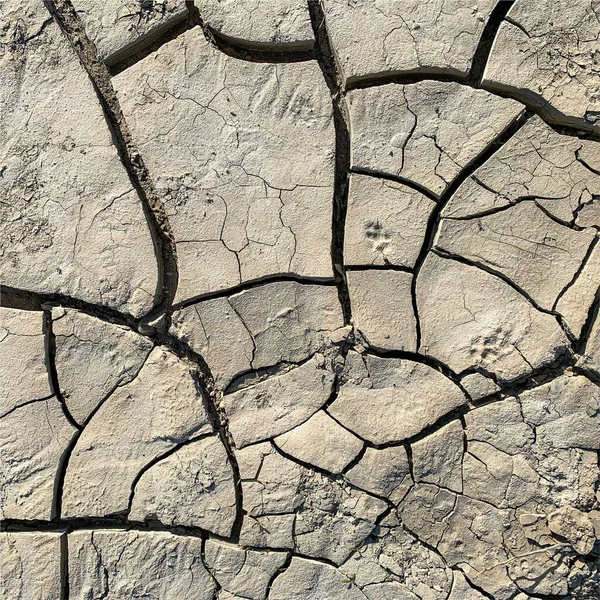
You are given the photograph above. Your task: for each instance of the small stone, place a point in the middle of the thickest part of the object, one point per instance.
(479, 386)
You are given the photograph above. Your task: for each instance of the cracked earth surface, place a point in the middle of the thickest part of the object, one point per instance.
(299, 300)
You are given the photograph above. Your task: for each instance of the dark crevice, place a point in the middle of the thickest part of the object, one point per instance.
(50, 347)
(333, 78)
(284, 567)
(160, 229)
(586, 331)
(484, 47)
(148, 43)
(396, 179)
(20, 299)
(23, 404)
(254, 283)
(26, 300)
(64, 566)
(385, 267)
(404, 77)
(435, 216)
(262, 52)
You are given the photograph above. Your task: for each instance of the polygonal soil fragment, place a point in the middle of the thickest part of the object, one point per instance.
(393, 565)
(311, 579)
(383, 472)
(34, 439)
(119, 28)
(242, 155)
(30, 566)
(23, 376)
(284, 24)
(161, 408)
(283, 321)
(280, 403)
(290, 506)
(387, 400)
(192, 486)
(560, 172)
(242, 573)
(438, 458)
(83, 233)
(549, 56)
(426, 132)
(533, 251)
(385, 223)
(137, 564)
(321, 442)
(375, 36)
(93, 358)
(470, 318)
(383, 309)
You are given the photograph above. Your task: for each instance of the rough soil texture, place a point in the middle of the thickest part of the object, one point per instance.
(299, 300)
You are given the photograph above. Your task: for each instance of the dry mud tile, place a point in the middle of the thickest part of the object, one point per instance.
(387, 400)
(82, 234)
(287, 502)
(30, 565)
(305, 578)
(403, 567)
(120, 564)
(321, 442)
(383, 472)
(242, 573)
(34, 439)
(242, 158)
(383, 308)
(191, 487)
(385, 222)
(426, 132)
(371, 38)
(278, 404)
(121, 27)
(282, 321)
(160, 408)
(93, 358)
(283, 25)
(536, 253)
(23, 376)
(470, 318)
(548, 55)
(537, 163)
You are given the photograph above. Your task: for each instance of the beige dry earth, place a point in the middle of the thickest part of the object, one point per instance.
(299, 300)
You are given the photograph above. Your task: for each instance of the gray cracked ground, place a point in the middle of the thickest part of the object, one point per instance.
(299, 300)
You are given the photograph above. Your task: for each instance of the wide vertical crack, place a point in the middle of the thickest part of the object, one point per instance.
(160, 228)
(486, 42)
(341, 120)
